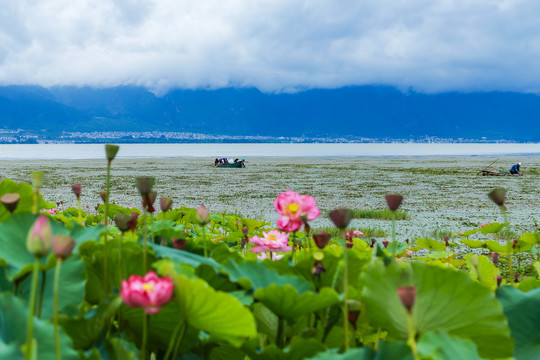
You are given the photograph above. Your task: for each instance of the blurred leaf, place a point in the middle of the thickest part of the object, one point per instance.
(446, 299)
(492, 228)
(486, 273)
(26, 201)
(438, 345)
(523, 313)
(430, 244)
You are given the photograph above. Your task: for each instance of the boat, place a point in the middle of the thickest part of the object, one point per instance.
(496, 173)
(238, 164)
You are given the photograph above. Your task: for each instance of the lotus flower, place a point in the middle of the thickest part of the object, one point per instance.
(38, 241)
(292, 206)
(273, 240)
(353, 234)
(150, 292)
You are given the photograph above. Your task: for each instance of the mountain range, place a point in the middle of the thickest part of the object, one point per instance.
(356, 111)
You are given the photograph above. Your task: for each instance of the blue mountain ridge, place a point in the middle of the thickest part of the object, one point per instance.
(359, 111)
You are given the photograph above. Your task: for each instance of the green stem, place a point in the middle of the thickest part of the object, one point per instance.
(144, 337)
(172, 343)
(31, 308)
(42, 293)
(394, 234)
(412, 336)
(152, 228)
(346, 293)
(120, 257)
(179, 342)
(204, 240)
(55, 308)
(80, 211)
(105, 247)
(280, 336)
(145, 240)
(509, 250)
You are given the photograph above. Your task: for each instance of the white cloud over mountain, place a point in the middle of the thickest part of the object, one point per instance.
(274, 45)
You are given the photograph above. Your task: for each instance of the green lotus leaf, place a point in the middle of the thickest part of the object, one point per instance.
(430, 244)
(523, 313)
(386, 350)
(183, 257)
(496, 247)
(493, 228)
(255, 275)
(298, 349)
(285, 301)
(446, 299)
(473, 244)
(532, 238)
(70, 288)
(529, 284)
(26, 201)
(485, 272)
(217, 313)
(438, 345)
(332, 354)
(14, 315)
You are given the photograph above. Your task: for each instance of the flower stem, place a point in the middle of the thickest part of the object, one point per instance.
(55, 307)
(106, 240)
(346, 293)
(31, 308)
(280, 336)
(394, 245)
(412, 336)
(204, 240)
(145, 240)
(42, 292)
(173, 340)
(144, 337)
(180, 339)
(509, 250)
(80, 211)
(120, 257)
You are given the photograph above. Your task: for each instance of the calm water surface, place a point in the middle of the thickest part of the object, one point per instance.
(163, 151)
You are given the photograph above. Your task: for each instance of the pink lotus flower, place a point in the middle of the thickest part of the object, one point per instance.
(484, 225)
(353, 234)
(264, 256)
(150, 292)
(293, 207)
(273, 240)
(52, 211)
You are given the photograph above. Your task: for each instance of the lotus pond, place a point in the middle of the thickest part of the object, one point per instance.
(140, 275)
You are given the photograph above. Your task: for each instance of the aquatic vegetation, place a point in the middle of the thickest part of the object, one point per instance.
(204, 291)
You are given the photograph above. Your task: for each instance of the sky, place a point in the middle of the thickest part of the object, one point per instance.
(273, 45)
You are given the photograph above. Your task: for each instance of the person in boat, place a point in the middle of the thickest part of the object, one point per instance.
(515, 169)
(216, 163)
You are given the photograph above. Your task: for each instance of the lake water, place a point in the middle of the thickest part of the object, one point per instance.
(164, 151)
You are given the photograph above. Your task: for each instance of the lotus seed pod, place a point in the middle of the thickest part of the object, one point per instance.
(111, 151)
(76, 188)
(103, 196)
(145, 184)
(122, 222)
(321, 239)
(10, 201)
(165, 204)
(341, 217)
(407, 295)
(393, 201)
(498, 196)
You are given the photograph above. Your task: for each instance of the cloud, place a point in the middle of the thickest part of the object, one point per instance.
(274, 45)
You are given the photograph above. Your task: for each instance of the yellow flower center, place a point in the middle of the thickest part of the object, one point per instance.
(272, 237)
(148, 287)
(292, 209)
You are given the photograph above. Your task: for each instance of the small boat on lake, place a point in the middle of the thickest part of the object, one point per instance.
(496, 173)
(237, 164)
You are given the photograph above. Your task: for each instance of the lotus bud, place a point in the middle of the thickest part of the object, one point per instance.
(245, 239)
(145, 184)
(349, 245)
(385, 243)
(495, 257)
(37, 179)
(499, 280)
(446, 241)
(103, 196)
(202, 215)
(76, 188)
(122, 222)
(515, 241)
(393, 201)
(407, 241)
(407, 295)
(133, 221)
(38, 241)
(111, 151)
(373, 241)
(165, 204)
(10, 201)
(321, 239)
(498, 196)
(62, 246)
(516, 277)
(341, 217)
(179, 244)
